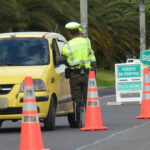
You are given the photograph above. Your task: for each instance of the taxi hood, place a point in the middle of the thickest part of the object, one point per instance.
(15, 75)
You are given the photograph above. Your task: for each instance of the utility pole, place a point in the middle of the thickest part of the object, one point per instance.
(84, 16)
(142, 4)
(142, 25)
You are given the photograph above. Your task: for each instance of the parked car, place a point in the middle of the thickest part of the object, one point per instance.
(52, 90)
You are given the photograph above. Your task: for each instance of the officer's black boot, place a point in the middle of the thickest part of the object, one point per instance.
(79, 116)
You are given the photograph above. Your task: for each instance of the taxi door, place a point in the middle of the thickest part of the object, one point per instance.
(64, 104)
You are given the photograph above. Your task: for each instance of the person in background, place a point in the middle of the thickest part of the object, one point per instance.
(81, 59)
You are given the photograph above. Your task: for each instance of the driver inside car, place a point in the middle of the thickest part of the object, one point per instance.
(34, 55)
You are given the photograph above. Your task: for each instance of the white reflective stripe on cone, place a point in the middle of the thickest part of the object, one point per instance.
(92, 83)
(146, 87)
(146, 79)
(29, 92)
(29, 106)
(146, 96)
(92, 94)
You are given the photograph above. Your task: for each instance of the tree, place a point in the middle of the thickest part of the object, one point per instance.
(113, 25)
(11, 13)
(147, 13)
(113, 30)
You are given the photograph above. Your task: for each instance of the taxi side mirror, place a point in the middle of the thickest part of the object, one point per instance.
(61, 60)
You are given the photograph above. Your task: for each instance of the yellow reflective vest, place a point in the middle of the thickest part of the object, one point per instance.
(78, 52)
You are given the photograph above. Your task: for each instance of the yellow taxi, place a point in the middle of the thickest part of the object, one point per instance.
(18, 59)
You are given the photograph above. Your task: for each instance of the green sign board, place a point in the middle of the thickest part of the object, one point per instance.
(129, 86)
(129, 71)
(145, 57)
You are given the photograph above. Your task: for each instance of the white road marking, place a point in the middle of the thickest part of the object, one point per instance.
(110, 136)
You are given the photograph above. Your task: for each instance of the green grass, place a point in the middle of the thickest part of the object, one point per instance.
(105, 78)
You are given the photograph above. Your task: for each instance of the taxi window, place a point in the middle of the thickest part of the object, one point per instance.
(24, 51)
(55, 50)
(60, 42)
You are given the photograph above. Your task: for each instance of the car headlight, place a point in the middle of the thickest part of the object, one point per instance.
(37, 84)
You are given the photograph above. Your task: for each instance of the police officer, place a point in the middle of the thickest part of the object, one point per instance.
(80, 58)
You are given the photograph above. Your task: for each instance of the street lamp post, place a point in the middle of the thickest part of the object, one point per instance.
(142, 25)
(84, 15)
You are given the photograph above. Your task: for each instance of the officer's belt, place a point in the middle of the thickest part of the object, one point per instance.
(79, 70)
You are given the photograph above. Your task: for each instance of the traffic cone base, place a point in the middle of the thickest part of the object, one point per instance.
(30, 130)
(93, 123)
(145, 113)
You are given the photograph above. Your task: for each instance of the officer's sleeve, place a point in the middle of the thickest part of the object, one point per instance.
(92, 57)
(93, 62)
(64, 51)
(91, 52)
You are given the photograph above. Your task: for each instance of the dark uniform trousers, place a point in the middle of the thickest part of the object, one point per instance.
(78, 85)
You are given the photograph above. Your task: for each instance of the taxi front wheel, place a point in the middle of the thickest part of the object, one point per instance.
(49, 122)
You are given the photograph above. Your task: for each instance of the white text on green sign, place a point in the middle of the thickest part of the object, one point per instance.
(145, 57)
(129, 86)
(129, 71)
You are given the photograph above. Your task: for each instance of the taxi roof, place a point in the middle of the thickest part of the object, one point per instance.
(28, 34)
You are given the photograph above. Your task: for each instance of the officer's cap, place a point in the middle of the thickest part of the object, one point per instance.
(72, 25)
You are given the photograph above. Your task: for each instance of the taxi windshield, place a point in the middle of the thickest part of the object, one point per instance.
(24, 51)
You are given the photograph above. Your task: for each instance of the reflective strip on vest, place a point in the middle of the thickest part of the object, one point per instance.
(73, 63)
(92, 57)
(88, 45)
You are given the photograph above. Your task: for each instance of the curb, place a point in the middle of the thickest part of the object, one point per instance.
(104, 91)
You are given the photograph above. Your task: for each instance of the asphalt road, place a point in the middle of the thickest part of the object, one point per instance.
(124, 132)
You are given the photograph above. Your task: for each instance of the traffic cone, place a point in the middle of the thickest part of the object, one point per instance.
(93, 118)
(31, 137)
(145, 105)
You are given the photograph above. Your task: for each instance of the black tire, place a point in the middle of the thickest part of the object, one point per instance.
(1, 123)
(49, 122)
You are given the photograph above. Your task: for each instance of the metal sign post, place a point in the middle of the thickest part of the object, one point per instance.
(84, 16)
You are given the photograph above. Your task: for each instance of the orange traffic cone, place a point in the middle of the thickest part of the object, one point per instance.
(93, 119)
(145, 106)
(31, 137)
